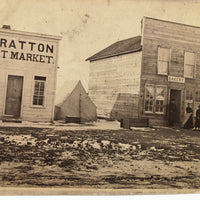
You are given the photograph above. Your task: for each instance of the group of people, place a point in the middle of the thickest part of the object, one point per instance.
(188, 121)
(189, 118)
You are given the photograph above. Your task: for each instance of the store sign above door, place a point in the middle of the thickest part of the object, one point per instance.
(27, 51)
(176, 79)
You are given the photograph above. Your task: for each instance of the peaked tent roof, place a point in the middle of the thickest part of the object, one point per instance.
(65, 91)
(118, 48)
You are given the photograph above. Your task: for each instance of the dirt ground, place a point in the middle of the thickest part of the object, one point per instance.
(159, 158)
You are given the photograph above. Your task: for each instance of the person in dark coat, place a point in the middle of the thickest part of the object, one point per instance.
(197, 123)
(172, 112)
(189, 120)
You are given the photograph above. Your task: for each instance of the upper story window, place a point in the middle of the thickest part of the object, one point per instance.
(189, 65)
(38, 97)
(163, 60)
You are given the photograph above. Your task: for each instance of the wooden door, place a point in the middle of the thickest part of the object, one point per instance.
(176, 96)
(14, 95)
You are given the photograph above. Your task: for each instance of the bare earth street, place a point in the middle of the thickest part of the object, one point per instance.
(160, 158)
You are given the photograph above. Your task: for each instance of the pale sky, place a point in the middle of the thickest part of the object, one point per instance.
(88, 26)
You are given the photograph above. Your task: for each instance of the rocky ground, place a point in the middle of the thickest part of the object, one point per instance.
(157, 158)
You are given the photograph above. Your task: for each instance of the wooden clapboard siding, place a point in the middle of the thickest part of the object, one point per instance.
(171, 35)
(28, 70)
(157, 121)
(179, 38)
(114, 85)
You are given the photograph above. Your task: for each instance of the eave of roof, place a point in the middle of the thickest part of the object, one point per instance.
(119, 48)
(118, 54)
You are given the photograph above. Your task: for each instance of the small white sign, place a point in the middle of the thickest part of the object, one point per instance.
(176, 79)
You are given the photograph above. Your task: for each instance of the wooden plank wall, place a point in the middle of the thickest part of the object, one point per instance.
(179, 38)
(114, 85)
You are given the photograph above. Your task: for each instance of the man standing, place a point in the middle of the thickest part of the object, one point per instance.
(197, 123)
(188, 121)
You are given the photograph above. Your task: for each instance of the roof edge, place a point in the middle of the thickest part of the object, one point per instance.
(40, 35)
(117, 54)
(172, 22)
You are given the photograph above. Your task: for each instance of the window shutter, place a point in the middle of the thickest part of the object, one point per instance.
(189, 58)
(189, 65)
(163, 54)
(163, 60)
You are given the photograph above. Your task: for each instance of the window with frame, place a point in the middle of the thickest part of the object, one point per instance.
(163, 60)
(39, 87)
(197, 96)
(159, 100)
(189, 65)
(189, 95)
(154, 99)
(149, 97)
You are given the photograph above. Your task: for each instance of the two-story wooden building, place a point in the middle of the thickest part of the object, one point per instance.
(138, 77)
(28, 65)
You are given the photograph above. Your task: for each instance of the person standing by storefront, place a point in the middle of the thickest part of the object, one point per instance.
(172, 112)
(188, 122)
(197, 123)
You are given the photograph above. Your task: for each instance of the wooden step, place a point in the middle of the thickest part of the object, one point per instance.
(134, 122)
(11, 118)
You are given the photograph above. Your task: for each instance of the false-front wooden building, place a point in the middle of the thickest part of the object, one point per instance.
(28, 65)
(139, 77)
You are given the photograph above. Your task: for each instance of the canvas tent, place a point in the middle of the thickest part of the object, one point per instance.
(74, 102)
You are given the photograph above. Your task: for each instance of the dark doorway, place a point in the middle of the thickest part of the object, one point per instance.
(14, 96)
(176, 96)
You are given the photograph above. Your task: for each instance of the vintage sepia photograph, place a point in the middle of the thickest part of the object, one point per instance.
(99, 97)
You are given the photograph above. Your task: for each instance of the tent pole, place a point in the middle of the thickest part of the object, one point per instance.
(80, 106)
